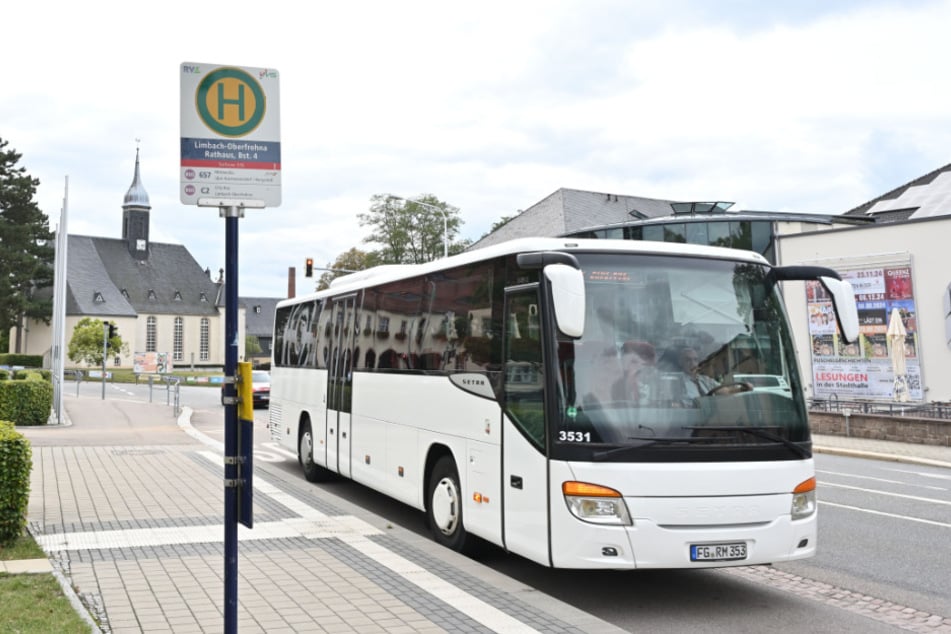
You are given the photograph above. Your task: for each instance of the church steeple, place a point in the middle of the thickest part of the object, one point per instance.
(135, 216)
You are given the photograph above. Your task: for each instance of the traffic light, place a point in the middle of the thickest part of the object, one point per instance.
(309, 267)
(113, 331)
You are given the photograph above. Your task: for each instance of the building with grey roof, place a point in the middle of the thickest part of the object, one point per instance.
(568, 210)
(259, 323)
(924, 197)
(583, 214)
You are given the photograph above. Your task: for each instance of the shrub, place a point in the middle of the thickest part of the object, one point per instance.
(27, 401)
(26, 360)
(16, 460)
(33, 373)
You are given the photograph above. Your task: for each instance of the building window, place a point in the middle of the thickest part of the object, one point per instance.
(177, 297)
(203, 346)
(125, 293)
(178, 336)
(151, 326)
(152, 296)
(202, 297)
(97, 297)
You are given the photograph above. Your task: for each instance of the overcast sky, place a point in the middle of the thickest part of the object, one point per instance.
(808, 106)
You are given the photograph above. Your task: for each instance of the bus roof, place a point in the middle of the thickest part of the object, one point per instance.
(392, 272)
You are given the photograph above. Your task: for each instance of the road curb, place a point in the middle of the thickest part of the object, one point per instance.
(874, 455)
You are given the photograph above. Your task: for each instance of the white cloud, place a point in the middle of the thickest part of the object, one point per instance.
(799, 106)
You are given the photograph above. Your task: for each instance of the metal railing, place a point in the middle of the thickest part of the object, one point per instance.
(935, 410)
(172, 384)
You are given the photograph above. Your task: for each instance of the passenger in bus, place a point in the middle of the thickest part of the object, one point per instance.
(637, 366)
(695, 383)
(601, 373)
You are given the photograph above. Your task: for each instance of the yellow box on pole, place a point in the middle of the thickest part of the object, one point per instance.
(244, 392)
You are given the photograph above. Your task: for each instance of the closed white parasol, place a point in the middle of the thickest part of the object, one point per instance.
(896, 342)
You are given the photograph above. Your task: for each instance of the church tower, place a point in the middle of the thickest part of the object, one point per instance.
(135, 216)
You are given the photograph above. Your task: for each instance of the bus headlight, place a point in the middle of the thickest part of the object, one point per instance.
(596, 504)
(804, 499)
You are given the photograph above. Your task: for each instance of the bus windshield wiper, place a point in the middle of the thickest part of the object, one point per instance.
(759, 432)
(643, 441)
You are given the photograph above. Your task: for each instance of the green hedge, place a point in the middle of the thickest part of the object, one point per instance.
(16, 460)
(26, 360)
(34, 373)
(26, 401)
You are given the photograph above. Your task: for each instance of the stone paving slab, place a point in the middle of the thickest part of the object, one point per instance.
(138, 534)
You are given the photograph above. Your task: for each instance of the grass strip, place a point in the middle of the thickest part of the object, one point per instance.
(35, 603)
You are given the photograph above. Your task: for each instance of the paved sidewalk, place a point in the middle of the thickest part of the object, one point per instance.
(932, 455)
(137, 531)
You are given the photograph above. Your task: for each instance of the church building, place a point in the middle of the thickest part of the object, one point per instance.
(157, 295)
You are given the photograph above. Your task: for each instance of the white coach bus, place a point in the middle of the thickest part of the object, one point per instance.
(529, 394)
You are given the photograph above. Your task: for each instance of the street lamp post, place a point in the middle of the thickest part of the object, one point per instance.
(445, 221)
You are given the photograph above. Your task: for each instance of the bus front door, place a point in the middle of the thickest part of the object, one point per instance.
(524, 463)
(339, 386)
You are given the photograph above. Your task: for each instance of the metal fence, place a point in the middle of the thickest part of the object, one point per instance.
(936, 410)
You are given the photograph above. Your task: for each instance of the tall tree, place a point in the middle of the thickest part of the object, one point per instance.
(411, 231)
(26, 248)
(348, 261)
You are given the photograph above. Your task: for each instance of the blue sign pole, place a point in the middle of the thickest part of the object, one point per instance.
(232, 485)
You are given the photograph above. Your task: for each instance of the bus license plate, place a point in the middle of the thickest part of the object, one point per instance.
(718, 552)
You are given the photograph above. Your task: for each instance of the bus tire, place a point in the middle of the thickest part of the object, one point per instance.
(313, 472)
(444, 506)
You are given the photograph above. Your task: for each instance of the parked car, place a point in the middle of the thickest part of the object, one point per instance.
(260, 388)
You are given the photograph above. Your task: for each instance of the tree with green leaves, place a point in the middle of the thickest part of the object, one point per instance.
(85, 346)
(26, 249)
(347, 262)
(252, 345)
(411, 231)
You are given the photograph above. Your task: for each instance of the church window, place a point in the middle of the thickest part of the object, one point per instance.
(178, 339)
(125, 293)
(203, 346)
(97, 297)
(151, 328)
(202, 297)
(152, 296)
(177, 297)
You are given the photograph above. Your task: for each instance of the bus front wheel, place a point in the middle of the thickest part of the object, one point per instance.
(444, 509)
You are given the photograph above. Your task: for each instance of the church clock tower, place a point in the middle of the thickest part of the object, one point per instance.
(135, 216)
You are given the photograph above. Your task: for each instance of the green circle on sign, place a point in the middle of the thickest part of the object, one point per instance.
(217, 121)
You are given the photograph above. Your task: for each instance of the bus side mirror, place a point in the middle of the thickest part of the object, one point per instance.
(843, 297)
(846, 310)
(567, 293)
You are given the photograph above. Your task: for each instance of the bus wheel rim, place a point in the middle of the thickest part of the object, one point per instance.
(306, 448)
(445, 505)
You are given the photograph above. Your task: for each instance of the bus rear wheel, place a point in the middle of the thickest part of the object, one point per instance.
(444, 508)
(305, 455)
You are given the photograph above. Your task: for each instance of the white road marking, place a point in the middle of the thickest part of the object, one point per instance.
(885, 514)
(886, 480)
(888, 493)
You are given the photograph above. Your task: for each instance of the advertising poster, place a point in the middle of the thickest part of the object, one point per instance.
(863, 369)
(152, 363)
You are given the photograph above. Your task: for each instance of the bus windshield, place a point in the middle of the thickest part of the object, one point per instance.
(681, 359)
